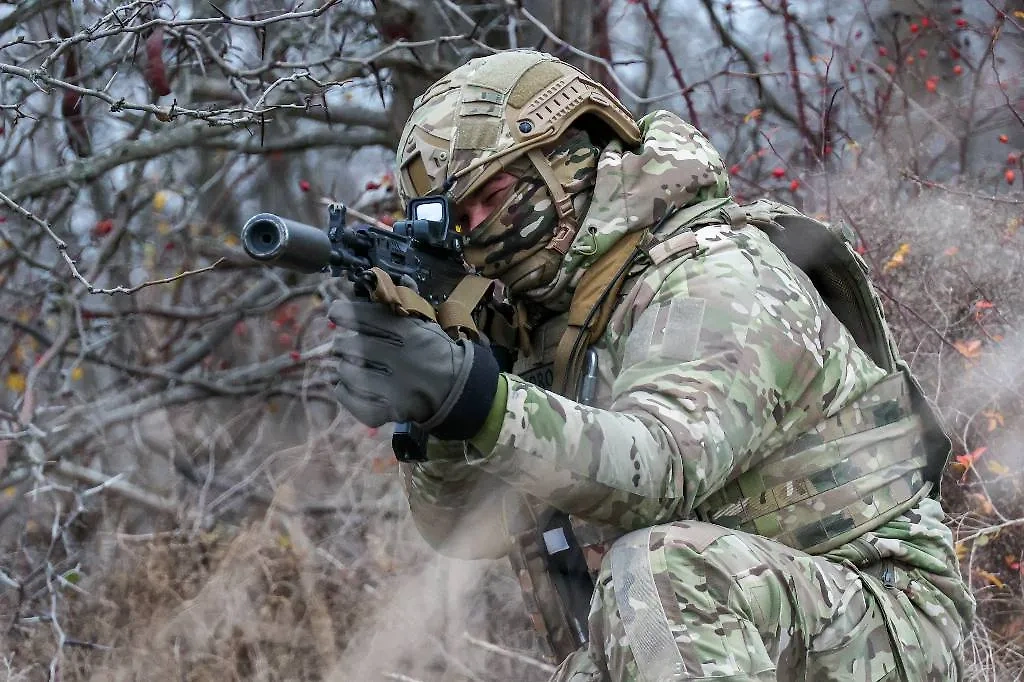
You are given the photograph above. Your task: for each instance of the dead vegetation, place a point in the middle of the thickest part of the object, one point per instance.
(179, 496)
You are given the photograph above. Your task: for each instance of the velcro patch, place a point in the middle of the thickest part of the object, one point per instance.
(668, 330)
(477, 132)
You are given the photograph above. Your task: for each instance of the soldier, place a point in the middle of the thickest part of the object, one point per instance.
(708, 426)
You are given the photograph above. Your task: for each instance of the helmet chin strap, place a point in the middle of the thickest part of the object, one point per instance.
(567, 226)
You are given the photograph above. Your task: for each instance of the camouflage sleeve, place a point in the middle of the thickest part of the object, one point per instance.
(460, 511)
(715, 358)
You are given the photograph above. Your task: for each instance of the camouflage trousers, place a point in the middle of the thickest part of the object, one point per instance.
(695, 601)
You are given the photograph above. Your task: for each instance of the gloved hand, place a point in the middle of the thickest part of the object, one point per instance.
(405, 369)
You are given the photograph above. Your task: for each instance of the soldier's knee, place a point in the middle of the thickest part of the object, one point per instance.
(668, 599)
(695, 536)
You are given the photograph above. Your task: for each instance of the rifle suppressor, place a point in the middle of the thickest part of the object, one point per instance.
(289, 244)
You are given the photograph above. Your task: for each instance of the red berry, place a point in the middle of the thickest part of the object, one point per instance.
(883, 51)
(103, 228)
(778, 171)
(914, 28)
(1004, 138)
(734, 169)
(1010, 176)
(853, 68)
(304, 185)
(932, 84)
(295, 355)
(958, 69)
(922, 53)
(954, 53)
(961, 23)
(890, 69)
(767, 57)
(910, 59)
(794, 186)
(925, 21)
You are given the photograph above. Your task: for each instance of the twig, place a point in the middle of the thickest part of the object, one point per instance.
(88, 169)
(655, 23)
(931, 184)
(991, 529)
(153, 282)
(903, 306)
(609, 68)
(514, 655)
(117, 486)
(94, 33)
(794, 74)
(765, 94)
(62, 247)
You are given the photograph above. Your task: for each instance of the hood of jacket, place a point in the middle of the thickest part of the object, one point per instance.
(675, 166)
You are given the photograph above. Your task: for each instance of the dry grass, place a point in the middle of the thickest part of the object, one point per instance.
(275, 596)
(256, 593)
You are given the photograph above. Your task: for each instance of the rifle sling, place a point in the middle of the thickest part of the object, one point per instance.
(455, 314)
(403, 300)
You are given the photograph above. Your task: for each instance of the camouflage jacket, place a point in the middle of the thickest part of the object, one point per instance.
(746, 359)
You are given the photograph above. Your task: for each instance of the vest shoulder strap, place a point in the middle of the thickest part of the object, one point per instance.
(591, 306)
(598, 291)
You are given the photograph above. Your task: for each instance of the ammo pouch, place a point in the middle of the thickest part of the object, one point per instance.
(555, 581)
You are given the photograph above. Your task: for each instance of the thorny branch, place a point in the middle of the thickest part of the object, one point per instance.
(136, 137)
(677, 74)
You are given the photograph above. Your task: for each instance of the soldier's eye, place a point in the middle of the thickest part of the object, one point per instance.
(496, 195)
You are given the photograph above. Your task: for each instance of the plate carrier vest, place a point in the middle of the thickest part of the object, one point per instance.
(855, 471)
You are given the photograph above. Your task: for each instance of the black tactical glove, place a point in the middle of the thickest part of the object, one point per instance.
(405, 369)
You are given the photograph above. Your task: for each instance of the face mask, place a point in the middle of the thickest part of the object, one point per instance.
(510, 244)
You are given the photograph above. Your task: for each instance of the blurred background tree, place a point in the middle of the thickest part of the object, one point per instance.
(178, 490)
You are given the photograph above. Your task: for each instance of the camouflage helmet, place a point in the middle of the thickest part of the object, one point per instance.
(474, 122)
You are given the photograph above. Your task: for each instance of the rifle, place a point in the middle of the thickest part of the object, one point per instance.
(422, 252)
